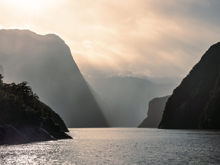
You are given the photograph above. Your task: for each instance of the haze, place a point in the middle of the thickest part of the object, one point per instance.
(142, 38)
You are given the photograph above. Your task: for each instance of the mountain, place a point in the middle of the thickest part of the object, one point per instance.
(155, 113)
(46, 63)
(24, 118)
(195, 102)
(123, 98)
(1, 70)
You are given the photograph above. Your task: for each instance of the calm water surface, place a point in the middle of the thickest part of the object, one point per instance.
(120, 146)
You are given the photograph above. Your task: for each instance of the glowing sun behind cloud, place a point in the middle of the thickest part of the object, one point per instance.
(29, 5)
(107, 37)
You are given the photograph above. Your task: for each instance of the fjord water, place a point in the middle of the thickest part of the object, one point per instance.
(120, 146)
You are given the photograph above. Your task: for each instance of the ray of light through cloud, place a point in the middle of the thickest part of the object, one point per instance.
(140, 37)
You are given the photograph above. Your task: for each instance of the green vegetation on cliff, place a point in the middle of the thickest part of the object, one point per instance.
(21, 109)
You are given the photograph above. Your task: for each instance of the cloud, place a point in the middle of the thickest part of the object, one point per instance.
(151, 38)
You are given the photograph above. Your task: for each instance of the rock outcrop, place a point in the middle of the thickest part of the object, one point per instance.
(24, 118)
(195, 103)
(46, 63)
(155, 113)
(10, 135)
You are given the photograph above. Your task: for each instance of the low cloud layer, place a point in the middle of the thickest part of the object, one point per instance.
(151, 38)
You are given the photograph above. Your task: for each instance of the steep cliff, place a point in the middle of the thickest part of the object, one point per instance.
(46, 63)
(155, 113)
(195, 102)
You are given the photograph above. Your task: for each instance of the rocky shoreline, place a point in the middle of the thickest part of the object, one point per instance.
(10, 135)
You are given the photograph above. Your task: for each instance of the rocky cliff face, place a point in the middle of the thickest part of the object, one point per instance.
(195, 102)
(155, 113)
(46, 63)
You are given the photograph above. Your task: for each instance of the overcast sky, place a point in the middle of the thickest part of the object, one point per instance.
(151, 38)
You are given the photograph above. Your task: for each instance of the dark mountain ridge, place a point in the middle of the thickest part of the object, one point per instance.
(195, 103)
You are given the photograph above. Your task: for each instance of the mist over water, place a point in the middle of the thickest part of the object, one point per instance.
(46, 63)
(124, 99)
(123, 59)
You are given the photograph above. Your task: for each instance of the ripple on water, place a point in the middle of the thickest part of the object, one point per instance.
(120, 146)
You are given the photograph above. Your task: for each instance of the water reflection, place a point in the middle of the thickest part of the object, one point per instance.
(120, 146)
